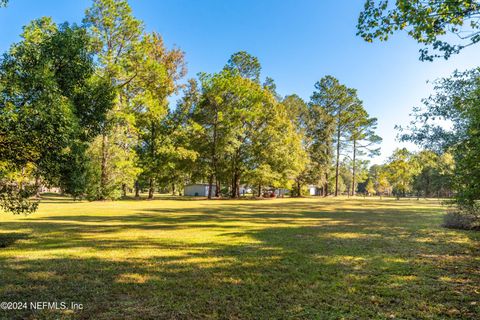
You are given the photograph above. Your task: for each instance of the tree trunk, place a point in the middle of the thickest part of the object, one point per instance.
(259, 190)
(37, 186)
(210, 185)
(150, 188)
(234, 180)
(427, 188)
(137, 190)
(326, 184)
(217, 188)
(103, 176)
(173, 188)
(238, 188)
(214, 157)
(124, 190)
(152, 155)
(235, 186)
(337, 164)
(353, 166)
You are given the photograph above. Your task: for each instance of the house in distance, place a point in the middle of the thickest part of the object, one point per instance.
(198, 190)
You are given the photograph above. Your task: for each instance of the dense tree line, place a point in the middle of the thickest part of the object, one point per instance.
(423, 174)
(456, 99)
(86, 108)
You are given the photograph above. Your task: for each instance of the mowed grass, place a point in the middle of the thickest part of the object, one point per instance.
(273, 259)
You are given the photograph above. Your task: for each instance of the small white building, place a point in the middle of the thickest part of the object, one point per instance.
(45, 189)
(314, 191)
(198, 190)
(244, 190)
(281, 192)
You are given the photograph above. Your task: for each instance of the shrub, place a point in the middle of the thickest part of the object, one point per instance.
(462, 218)
(17, 200)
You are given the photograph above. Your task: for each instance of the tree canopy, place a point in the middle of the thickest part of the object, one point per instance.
(51, 104)
(430, 22)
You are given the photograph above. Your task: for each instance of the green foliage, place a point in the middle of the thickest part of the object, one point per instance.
(378, 175)
(121, 53)
(401, 170)
(362, 138)
(423, 174)
(116, 34)
(430, 22)
(245, 134)
(335, 104)
(247, 66)
(449, 124)
(300, 114)
(98, 95)
(436, 174)
(17, 201)
(106, 183)
(370, 188)
(362, 133)
(444, 120)
(156, 80)
(45, 83)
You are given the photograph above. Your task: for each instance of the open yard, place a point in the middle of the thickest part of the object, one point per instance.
(244, 259)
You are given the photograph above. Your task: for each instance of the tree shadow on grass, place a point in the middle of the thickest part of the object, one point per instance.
(291, 273)
(8, 239)
(268, 213)
(301, 262)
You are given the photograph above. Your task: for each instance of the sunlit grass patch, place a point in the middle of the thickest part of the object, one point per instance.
(310, 258)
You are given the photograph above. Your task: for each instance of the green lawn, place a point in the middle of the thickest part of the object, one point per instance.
(244, 259)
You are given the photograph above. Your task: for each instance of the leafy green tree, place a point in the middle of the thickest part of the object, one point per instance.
(158, 73)
(375, 175)
(247, 66)
(117, 41)
(279, 146)
(107, 182)
(298, 112)
(444, 178)
(246, 133)
(384, 186)
(339, 102)
(436, 174)
(401, 169)
(423, 181)
(363, 138)
(176, 154)
(454, 103)
(370, 188)
(359, 175)
(430, 22)
(47, 85)
(320, 128)
(210, 115)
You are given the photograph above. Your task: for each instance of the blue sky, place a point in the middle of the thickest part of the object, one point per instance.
(297, 42)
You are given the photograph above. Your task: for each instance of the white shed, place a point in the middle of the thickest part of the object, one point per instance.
(313, 190)
(198, 190)
(281, 192)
